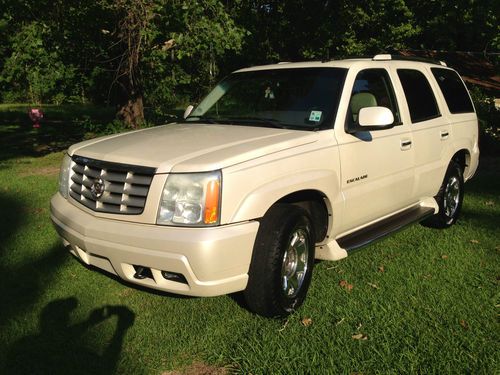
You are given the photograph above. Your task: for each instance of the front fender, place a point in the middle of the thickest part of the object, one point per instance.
(257, 202)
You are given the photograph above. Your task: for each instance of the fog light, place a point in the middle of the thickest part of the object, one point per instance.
(173, 276)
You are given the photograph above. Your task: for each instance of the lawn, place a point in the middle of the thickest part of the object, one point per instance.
(422, 301)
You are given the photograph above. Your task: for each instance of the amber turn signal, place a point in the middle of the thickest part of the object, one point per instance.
(212, 202)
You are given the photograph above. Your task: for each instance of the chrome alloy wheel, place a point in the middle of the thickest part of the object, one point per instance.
(295, 263)
(451, 196)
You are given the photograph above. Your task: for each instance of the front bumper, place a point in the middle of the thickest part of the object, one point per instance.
(213, 261)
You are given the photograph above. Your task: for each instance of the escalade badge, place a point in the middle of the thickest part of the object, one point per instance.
(97, 188)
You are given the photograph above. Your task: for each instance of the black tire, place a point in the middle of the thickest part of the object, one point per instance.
(285, 229)
(449, 198)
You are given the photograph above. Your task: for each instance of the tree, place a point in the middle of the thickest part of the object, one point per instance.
(133, 37)
(464, 25)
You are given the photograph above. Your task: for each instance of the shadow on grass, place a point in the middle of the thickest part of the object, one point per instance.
(22, 140)
(61, 127)
(23, 279)
(60, 347)
(23, 285)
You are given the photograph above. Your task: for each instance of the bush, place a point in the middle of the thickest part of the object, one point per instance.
(93, 129)
(489, 118)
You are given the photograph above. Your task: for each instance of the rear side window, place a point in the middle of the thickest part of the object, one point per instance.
(454, 90)
(419, 95)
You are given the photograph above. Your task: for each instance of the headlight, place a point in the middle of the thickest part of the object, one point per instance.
(191, 199)
(64, 176)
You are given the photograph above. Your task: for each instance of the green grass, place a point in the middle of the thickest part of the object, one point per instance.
(435, 310)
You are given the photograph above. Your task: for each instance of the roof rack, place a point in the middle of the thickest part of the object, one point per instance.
(384, 57)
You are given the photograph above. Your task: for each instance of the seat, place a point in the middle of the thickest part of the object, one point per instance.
(361, 100)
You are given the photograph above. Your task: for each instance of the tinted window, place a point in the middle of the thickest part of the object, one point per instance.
(419, 95)
(304, 98)
(453, 90)
(372, 87)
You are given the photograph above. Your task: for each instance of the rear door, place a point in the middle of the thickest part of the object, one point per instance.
(376, 166)
(430, 129)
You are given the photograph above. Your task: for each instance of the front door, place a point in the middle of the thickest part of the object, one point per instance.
(377, 167)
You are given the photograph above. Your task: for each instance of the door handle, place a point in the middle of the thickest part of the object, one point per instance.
(405, 144)
(444, 134)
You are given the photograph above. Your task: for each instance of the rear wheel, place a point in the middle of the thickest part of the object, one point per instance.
(282, 262)
(449, 198)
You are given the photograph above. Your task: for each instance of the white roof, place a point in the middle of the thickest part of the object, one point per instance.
(347, 63)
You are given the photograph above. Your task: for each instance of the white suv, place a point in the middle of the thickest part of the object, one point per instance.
(277, 166)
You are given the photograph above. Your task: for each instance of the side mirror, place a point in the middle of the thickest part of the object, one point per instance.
(373, 118)
(188, 111)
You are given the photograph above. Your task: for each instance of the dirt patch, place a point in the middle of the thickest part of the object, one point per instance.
(199, 368)
(43, 171)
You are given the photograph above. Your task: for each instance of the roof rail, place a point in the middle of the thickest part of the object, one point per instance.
(384, 57)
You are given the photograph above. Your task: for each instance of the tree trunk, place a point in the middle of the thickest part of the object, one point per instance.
(132, 112)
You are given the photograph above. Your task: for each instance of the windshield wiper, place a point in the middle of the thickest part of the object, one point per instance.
(259, 121)
(195, 119)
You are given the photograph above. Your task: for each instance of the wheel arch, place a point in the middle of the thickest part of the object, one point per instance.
(463, 157)
(317, 206)
(317, 191)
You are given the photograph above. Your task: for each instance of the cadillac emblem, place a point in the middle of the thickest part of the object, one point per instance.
(97, 188)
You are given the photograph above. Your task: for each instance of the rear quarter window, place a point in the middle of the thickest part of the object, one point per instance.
(454, 91)
(419, 95)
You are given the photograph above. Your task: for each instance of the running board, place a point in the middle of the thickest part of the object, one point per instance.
(384, 227)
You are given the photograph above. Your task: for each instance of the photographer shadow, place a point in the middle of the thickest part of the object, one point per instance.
(61, 347)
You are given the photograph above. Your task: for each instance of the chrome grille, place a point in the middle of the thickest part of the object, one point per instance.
(125, 186)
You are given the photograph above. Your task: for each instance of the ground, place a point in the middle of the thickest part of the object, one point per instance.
(422, 301)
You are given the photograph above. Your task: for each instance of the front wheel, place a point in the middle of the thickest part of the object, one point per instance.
(449, 198)
(282, 262)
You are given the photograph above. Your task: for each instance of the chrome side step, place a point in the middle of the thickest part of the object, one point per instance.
(384, 227)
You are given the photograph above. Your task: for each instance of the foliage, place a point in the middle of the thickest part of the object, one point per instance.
(159, 53)
(463, 25)
(489, 121)
(35, 70)
(93, 129)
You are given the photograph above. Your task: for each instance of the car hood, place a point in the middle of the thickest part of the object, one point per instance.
(192, 147)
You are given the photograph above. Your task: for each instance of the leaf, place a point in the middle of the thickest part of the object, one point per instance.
(306, 322)
(381, 269)
(359, 336)
(374, 286)
(464, 324)
(344, 284)
(444, 256)
(474, 241)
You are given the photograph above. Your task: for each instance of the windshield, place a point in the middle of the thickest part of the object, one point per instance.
(301, 98)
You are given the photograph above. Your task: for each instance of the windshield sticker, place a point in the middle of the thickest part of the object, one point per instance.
(315, 116)
(269, 94)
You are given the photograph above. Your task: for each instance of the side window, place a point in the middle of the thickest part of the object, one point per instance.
(372, 87)
(419, 95)
(454, 90)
